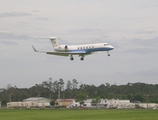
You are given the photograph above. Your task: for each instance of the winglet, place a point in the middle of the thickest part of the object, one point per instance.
(34, 48)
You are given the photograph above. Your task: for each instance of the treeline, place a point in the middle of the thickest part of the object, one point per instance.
(72, 90)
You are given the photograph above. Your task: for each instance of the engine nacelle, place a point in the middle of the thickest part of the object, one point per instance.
(66, 47)
(62, 48)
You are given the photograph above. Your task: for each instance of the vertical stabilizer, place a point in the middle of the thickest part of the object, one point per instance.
(55, 42)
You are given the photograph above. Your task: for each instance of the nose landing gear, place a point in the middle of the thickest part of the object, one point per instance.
(108, 53)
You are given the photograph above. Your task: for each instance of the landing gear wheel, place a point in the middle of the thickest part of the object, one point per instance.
(82, 58)
(71, 58)
(108, 53)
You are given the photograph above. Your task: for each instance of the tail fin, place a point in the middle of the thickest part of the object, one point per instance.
(55, 42)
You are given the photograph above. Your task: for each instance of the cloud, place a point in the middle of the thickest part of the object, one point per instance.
(150, 43)
(146, 32)
(86, 31)
(87, 35)
(147, 73)
(44, 19)
(142, 50)
(8, 43)
(142, 46)
(14, 14)
(5, 35)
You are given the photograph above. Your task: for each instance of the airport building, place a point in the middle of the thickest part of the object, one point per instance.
(68, 103)
(109, 103)
(30, 102)
(147, 105)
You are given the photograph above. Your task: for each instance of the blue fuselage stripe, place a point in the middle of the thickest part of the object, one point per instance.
(90, 50)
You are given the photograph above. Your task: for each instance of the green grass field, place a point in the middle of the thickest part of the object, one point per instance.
(64, 114)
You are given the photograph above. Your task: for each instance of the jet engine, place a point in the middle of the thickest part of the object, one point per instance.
(62, 48)
(66, 47)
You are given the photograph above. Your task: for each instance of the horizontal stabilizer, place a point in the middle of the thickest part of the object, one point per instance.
(34, 48)
(37, 50)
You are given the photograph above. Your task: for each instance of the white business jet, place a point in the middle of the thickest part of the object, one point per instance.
(80, 50)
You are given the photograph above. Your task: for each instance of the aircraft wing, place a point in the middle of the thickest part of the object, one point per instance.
(80, 53)
(67, 53)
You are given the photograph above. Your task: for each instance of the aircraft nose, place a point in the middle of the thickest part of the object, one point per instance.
(111, 47)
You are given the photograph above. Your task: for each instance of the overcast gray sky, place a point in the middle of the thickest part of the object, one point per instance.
(131, 26)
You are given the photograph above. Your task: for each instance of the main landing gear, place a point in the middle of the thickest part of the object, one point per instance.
(71, 58)
(82, 58)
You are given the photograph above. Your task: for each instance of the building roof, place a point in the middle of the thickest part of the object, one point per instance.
(37, 99)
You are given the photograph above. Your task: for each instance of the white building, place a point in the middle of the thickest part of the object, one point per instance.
(147, 105)
(101, 103)
(110, 103)
(31, 102)
(68, 103)
(87, 103)
(120, 104)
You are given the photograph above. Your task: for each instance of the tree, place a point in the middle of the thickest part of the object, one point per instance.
(97, 99)
(52, 103)
(81, 97)
(138, 97)
(108, 85)
(49, 88)
(61, 85)
(69, 85)
(74, 84)
(55, 86)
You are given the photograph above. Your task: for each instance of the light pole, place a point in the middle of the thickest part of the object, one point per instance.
(147, 98)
